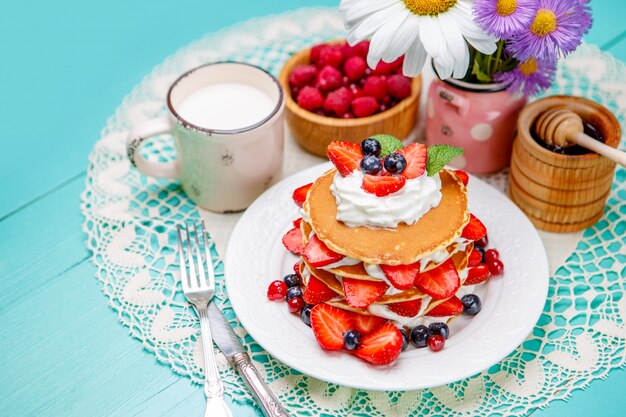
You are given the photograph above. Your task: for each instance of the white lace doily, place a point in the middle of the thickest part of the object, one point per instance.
(129, 220)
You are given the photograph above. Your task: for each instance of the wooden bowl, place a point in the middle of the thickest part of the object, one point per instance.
(562, 193)
(314, 132)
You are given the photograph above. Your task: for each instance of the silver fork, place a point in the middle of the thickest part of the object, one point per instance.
(199, 288)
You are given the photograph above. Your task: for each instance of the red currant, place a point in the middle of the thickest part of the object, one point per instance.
(496, 267)
(482, 242)
(276, 290)
(435, 342)
(295, 305)
(296, 269)
(491, 255)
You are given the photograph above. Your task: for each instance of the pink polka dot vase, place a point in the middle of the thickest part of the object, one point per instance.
(480, 118)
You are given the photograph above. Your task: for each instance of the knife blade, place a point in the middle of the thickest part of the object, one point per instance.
(230, 345)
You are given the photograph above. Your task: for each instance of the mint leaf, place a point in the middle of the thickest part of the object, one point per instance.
(388, 144)
(439, 156)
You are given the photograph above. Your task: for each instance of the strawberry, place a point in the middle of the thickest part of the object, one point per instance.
(401, 276)
(462, 175)
(329, 324)
(474, 230)
(293, 241)
(297, 222)
(300, 193)
(367, 324)
(317, 292)
(476, 275)
(475, 258)
(415, 155)
(381, 347)
(317, 254)
(346, 156)
(450, 307)
(361, 293)
(441, 282)
(406, 308)
(382, 185)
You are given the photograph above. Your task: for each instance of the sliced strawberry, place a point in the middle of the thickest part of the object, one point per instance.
(367, 324)
(346, 156)
(317, 292)
(475, 258)
(317, 254)
(329, 324)
(360, 293)
(296, 268)
(462, 175)
(381, 347)
(293, 241)
(415, 155)
(441, 282)
(383, 185)
(300, 193)
(450, 307)
(476, 275)
(296, 222)
(474, 230)
(406, 308)
(401, 277)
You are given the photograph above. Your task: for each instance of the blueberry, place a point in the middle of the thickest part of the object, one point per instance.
(371, 164)
(370, 146)
(405, 337)
(395, 163)
(471, 304)
(440, 329)
(351, 339)
(482, 252)
(305, 314)
(419, 335)
(292, 280)
(293, 292)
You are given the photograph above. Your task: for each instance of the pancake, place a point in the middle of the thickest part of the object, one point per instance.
(403, 245)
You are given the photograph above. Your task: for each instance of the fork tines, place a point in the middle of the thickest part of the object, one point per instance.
(201, 274)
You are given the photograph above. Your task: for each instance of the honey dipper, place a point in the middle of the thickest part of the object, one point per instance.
(562, 127)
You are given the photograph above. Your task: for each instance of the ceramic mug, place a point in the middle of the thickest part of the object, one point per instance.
(220, 170)
(479, 118)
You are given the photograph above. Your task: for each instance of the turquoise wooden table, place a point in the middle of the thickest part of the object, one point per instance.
(67, 65)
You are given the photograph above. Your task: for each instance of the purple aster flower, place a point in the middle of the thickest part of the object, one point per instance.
(504, 18)
(556, 30)
(529, 77)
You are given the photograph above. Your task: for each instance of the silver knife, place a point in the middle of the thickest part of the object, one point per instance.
(230, 345)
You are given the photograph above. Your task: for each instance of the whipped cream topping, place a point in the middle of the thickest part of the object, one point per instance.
(356, 207)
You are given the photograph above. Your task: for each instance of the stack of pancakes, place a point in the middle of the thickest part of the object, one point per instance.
(432, 240)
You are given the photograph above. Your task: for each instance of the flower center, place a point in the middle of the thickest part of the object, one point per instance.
(544, 23)
(529, 67)
(429, 7)
(506, 7)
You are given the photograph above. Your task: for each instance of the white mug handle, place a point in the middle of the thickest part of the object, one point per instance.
(137, 136)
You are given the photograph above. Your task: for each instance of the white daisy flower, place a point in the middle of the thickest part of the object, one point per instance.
(417, 29)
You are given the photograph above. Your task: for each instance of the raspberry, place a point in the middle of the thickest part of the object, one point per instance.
(310, 98)
(399, 86)
(384, 68)
(315, 52)
(331, 55)
(360, 49)
(354, 68)
(338, 101)
(329, 78)
(375, 87)
(364, 106)
(302, 75)
(356, 91)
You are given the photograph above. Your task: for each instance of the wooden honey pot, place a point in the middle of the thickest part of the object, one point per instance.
(562, 192)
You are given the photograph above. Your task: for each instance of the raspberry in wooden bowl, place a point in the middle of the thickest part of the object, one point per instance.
(331, 94)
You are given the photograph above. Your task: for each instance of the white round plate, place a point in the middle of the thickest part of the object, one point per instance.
(511, 304)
